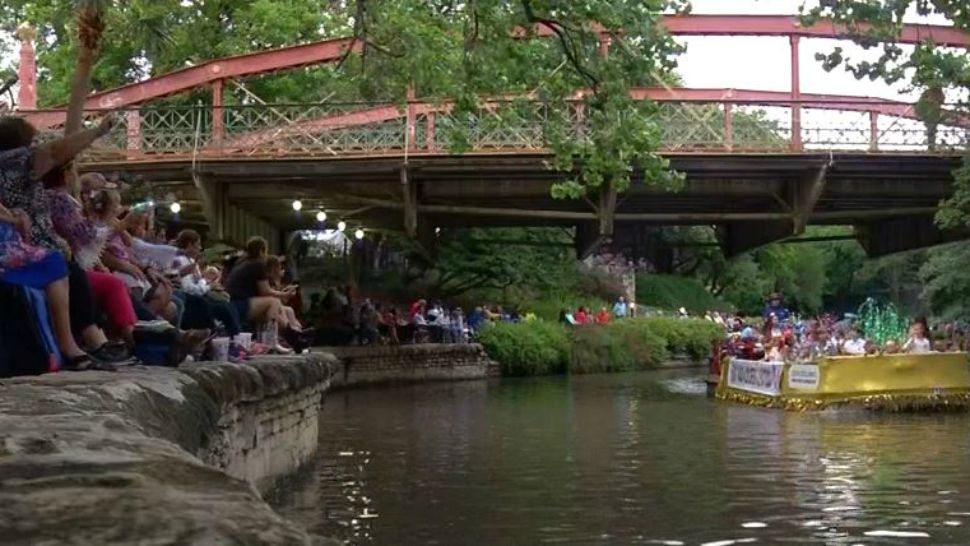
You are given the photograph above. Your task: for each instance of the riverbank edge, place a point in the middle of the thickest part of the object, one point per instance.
(157, 455)
(182, 456)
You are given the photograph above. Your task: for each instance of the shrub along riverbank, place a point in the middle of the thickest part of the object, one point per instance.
(540, 347)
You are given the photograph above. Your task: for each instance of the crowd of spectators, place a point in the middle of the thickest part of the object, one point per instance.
(111, 290)
(778, 336)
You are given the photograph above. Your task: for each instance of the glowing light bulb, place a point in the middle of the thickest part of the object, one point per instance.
(341, 225)
(297, 205)
(321, 217)
(359, 234)
(175, 207)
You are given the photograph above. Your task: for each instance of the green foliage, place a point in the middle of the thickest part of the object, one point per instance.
(461, 51)
(692, 337)
(531, 348)
(497, 259)
(674, 291)
(627, 345)
(541, 347)
(946, 281)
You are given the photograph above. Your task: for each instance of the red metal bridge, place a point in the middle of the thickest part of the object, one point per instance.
(760, 165)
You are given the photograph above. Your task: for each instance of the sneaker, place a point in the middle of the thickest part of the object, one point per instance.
(110, 354)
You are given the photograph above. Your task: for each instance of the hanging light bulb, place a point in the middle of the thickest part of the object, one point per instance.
(175, 207)
(297, 205)
(341, 225)
(321, 217)
(359, 234)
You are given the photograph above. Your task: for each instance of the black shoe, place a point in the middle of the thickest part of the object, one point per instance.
(110, 354)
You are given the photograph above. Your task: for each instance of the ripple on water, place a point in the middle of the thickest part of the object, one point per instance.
(567, 460)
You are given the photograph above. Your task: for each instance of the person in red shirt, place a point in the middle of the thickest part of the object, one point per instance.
(603, 317)
(581, 316)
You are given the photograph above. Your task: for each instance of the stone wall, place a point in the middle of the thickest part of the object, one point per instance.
(410, 364)
(156, 456)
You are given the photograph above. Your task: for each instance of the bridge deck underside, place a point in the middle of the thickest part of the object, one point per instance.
(721, 190)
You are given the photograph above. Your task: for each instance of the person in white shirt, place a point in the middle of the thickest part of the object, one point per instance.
(918, 342)
(853, 344)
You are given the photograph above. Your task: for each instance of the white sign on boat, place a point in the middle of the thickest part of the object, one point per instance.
(756, 376)
(803, 377)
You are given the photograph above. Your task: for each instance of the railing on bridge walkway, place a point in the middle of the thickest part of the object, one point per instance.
(731, 125)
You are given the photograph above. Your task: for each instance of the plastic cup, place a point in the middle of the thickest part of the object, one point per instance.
(244, 340)
(220, 349)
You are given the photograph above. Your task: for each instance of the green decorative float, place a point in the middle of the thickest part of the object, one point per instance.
(882, 322)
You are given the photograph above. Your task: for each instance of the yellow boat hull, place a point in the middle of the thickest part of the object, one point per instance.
(903, 382)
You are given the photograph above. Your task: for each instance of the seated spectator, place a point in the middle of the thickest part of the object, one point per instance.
(477, 320)
(255, 300)
(918, 341)
(193, 284)
(370, 320)
(603, 317)
(87, 243)
(148, 286)
(853, 344)
(457, 326)
(581, 316)
(21, 168)
(389, 324)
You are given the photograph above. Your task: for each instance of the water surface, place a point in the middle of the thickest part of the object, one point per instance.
(625, 459)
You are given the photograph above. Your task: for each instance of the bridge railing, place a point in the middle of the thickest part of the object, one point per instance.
(152, 133)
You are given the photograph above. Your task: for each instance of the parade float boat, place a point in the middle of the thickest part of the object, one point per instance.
(898, 382)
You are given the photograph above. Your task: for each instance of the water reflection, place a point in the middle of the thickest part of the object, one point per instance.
(638, 459)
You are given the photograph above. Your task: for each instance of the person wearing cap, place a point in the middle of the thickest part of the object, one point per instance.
(777, 308)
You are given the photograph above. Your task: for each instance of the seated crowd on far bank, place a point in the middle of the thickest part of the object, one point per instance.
(781, 337)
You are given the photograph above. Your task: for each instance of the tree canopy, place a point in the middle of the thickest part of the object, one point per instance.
(466, 51)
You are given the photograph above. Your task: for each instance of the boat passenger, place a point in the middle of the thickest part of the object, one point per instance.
(918, 343)
(853, 344)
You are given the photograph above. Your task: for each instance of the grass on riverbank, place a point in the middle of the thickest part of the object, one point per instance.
(540, 347)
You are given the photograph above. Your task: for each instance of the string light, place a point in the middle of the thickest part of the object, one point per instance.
(175, 207)
(341, 225)
(321, 217)
(297, 205)
(359, 234)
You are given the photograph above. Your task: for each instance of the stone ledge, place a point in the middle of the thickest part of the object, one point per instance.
(117, 458)
(372, 365)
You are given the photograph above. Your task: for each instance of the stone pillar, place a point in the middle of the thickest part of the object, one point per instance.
(27, 70)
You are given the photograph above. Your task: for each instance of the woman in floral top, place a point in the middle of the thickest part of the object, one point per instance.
(21, 166)
(87, 242)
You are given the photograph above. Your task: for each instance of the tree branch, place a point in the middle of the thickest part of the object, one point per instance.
(565, 41)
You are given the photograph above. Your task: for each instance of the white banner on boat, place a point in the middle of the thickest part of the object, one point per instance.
(803, 377)
(756, 376)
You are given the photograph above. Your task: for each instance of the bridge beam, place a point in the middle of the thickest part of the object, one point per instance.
(214, 198)
(806, 195)
(741, 236)
(409, 190)
(892, 235)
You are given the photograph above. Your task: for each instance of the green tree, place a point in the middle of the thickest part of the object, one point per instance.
(498, 259)
(440, 49)
(946, 281)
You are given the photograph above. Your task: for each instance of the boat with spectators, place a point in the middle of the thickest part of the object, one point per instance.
(898, 382)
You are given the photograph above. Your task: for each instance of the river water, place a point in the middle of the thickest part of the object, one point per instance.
(625, 459)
